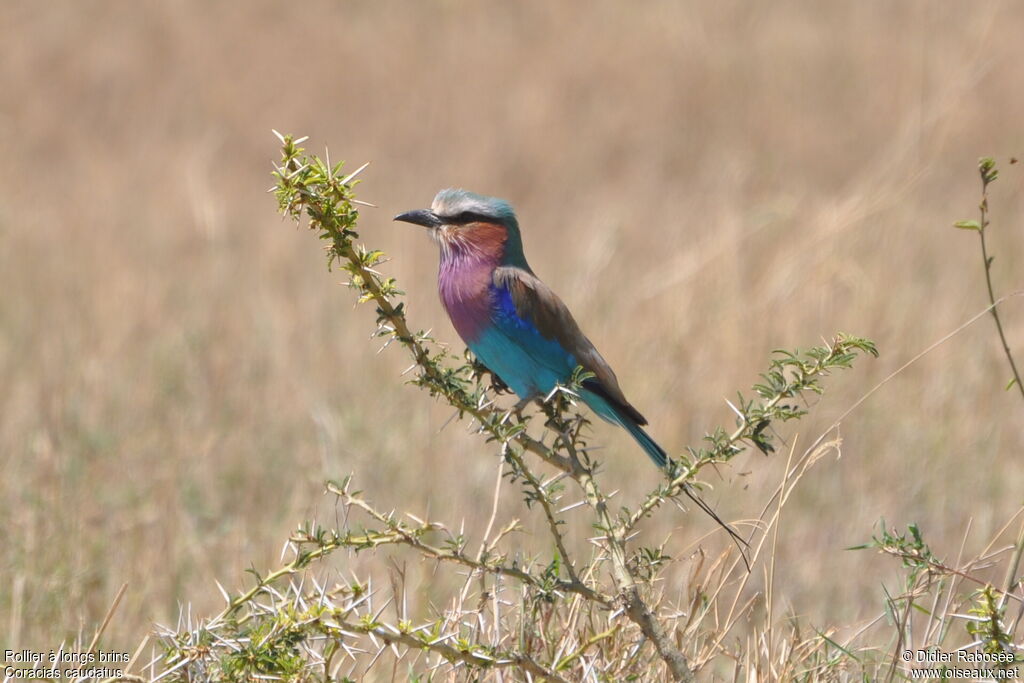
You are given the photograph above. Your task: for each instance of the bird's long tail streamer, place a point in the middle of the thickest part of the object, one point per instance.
(660, 458)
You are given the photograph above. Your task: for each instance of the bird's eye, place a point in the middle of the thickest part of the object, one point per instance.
(467, 217)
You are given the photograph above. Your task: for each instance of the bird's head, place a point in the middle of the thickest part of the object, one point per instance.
(463, 222)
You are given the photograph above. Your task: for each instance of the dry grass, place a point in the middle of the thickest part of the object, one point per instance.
(702, 183)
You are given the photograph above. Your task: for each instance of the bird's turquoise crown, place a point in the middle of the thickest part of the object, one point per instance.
(451, 202)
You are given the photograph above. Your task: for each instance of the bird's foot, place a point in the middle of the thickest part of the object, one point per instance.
(520, 406)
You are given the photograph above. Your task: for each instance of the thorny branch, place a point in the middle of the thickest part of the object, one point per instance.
(309, 188)
(399, 533)
(309, 185)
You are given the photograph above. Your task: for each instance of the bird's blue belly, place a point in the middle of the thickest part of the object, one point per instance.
(531, 365)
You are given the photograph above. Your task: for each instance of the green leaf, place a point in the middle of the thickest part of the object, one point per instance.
(967, 225)
(1010, 385)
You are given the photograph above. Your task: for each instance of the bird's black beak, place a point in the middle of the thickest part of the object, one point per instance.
(424, 217)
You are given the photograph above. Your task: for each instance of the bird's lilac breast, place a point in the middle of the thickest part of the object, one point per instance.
(464, 288)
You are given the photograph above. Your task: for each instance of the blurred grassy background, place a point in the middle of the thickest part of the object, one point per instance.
(702, 183)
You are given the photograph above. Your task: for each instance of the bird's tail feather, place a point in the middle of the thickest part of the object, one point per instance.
(650, 446)
(660, 458)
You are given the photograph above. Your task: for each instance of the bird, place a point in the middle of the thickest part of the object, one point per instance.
(514, 323)
(511, 321)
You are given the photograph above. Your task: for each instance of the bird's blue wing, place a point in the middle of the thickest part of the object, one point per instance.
(542, 341)
(515, 349)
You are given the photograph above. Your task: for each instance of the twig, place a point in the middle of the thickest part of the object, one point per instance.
(399, 534)
(543, 497)
(629, 593)
(1011, 581)
(500, 660)
(108, 617)
(892, 375)
(988, 172)
(834, 355)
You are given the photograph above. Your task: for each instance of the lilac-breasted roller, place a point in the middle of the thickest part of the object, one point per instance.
(514, 323)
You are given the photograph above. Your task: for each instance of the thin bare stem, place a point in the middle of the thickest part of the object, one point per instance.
(988, 174)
